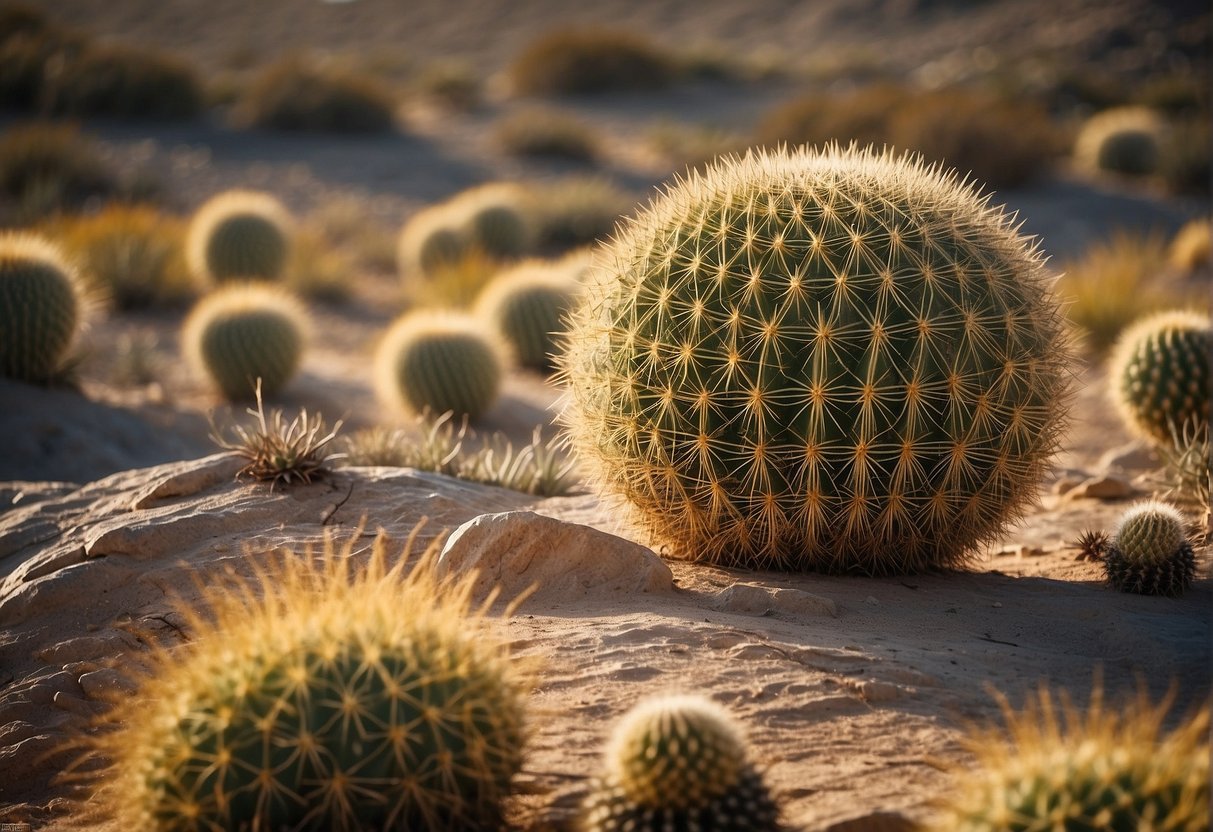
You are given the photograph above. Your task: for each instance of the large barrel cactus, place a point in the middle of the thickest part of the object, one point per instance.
(837, 361)
(41, 305)
(321, 699)
(239, 235)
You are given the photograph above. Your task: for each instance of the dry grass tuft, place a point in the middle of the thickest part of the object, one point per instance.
(547, 133)
(579, 61)
(123, 82)
(299, 94)
(46, 168)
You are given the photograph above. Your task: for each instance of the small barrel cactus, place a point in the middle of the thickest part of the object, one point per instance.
(430, 240)
(1096, 771)
(41, 307)
(437, 362)
(1121, 140)
(239, 334)
(527, 305)
(679, 762)
(308, 701)
(239, 235)
(1149, 553)
(496, 220)
(1160, 374)
(838, 361)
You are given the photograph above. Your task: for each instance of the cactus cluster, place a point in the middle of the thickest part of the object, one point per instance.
(239, 334)
(1101, 771)
(840, 361)
(1160, 374)
(41, 307)
(1124, 140)
(323, 698)
(1149, 553)
(435, 362)
(239, 235)
(526, 306)
(679, 763)
(491, 219)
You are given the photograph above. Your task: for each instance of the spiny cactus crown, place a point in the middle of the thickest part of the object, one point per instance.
(1149, 532)
(839, 361)
(307, 700)
(41, 307)
(239, 235)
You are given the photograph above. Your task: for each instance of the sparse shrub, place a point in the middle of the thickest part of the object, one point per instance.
(1095, 769)
(242, 333)
(431, 361)
(692, 145)
(578, 61)
(238, 235)
(526, 306)
(451, 84)
(1126, 140)
(298, 94)
(133, 255)
(41, 308)
(1186, 166)
(1191, 249)
(124, 82)
(317, 271)
(454, 285)
(305, 699)
(547, 133)
(576, 211)
(46, 168)
(1160, 374)
(137, 361)
(1174, 94)
(678, 762)
(753, 366)
(26, 59)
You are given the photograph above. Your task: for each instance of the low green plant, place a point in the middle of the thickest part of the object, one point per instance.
(296, 93)
(547, 133)
(47, 168)
(526, 306)
(123, 82)
(1124, 140)
(579, 61)
(42, 306)
(239, 235)
(577, 211)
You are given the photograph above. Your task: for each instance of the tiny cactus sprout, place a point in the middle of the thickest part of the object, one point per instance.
(320, 696)
(41, 307)
(439, 361)
(1160, 374)
(526, 305)
(1066, 772)
(239, 235)
(679, 763)
(1148, 552)
(239, 334)
(838, 361)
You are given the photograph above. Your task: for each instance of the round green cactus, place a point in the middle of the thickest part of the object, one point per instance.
(1098, 771)
(239, 235)
(495, 219)
(837, 361)
(307, 701)
(679, 762)
(526, 305)
(1149, 553)
(1161, 376)
(430, 240)
(1121, 140)
(239, 334)
(41, 307)
(437, 362)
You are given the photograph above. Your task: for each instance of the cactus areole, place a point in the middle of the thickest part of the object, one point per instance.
(840, 361)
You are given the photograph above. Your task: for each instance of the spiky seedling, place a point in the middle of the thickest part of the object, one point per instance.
(526, 305)
(1160, 374)
(41, 306)
(239, 334)
(679, 763)
(1076, 772)
(321, 698)
(434, 361)
(239, 235)
(1121, 140)
(837, 361)
(1149, 553)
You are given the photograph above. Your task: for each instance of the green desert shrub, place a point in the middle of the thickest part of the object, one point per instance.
(1124, 140)
(526, 306)
(246, 338)
(123, 82)
(306, 700)
(134, 255)
(239, 235)
(47, 168)
(578, 61)
(434, 362)
(41, 307)
(298, 94)
(678, 762)
(841, 361)
(547, 133)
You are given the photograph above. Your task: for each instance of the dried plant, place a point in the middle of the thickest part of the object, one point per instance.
(278, 451)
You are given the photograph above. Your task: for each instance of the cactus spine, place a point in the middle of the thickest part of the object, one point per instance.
(526, 305)
(840, 361)
(321, 699)
(41, 307)
(239, 334)
(678, 762)
(239, 235)
(437, 362)
(1161, 375)
(1104, 771)
(1149, 553)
